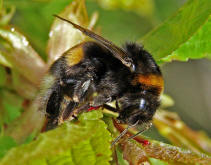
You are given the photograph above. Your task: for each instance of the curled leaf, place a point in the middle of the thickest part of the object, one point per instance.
(166, 101)
(161, 151)
(62, 35)
(170, 126)
(22, 56)
(142, 148)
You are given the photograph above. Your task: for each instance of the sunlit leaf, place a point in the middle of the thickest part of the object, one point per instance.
(178, 29)
(62, 35)
(198, 46)
(22, 56)
(82, 142)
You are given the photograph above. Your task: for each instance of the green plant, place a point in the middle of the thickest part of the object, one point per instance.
(183, 36)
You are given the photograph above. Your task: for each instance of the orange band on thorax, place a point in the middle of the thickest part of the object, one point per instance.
(150, 80)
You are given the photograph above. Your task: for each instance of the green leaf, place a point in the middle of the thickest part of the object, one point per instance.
(2, 76)
(12, 112)
(6, 143)
(11, 106)
(174, 32)
(198, 46)
(86, 141)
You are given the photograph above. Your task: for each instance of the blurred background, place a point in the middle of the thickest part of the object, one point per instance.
(188, 83)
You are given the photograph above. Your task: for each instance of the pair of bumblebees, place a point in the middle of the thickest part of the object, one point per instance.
(94, 73)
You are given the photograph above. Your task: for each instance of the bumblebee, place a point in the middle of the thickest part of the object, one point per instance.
(94, 73)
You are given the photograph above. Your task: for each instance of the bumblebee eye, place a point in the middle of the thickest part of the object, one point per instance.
(133, 68)
(129, 63)
(142, 104)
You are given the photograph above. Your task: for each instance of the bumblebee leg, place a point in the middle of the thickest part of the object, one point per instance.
(80, 90)
(53, 106)
(100, 100)
(79, 109)
(72, 91)
(76, 88)
(110, 108)
(66, 108)
(117, 105)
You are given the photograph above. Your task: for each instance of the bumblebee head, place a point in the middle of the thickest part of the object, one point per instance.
(137, 108)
